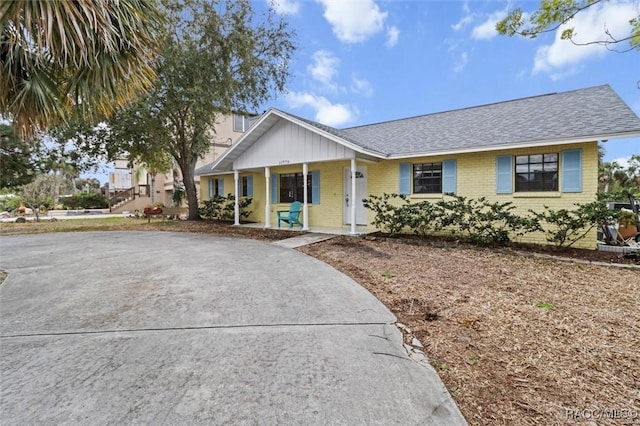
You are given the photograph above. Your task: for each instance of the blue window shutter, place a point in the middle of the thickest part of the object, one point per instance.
(221, 187)
(315, 187)
(274, 188)
(449, 181)
(504, 178)
(572, 170)
(249, 186)
(210, 188)
(405, 178)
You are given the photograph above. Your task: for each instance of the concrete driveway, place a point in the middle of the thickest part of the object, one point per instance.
(174, 328)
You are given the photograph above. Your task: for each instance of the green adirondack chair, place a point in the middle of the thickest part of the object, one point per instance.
(291, 216)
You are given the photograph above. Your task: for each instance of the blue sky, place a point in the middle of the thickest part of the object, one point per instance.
(366, 61)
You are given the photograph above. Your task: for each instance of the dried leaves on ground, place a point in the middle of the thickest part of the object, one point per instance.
(516, 340)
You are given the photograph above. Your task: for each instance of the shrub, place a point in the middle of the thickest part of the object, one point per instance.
(480, 221)
(223, 208)
(566, 227)
(393, 213)
(484, 222)
(86, 200)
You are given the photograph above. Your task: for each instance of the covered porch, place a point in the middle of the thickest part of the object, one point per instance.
(284, 159)
(330, 230)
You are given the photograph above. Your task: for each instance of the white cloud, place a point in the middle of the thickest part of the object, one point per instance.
(361, 86)
(624, 162)
(325, 112)
(487, 30)
(461, 62)
(393, 33)
(285, 7)
(463, 22)
(324, 68)
(589, 25)
(353, 21)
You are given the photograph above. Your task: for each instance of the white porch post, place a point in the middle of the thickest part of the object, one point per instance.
(236, 206)
(267, 203)
(305, 208)
(353, 197)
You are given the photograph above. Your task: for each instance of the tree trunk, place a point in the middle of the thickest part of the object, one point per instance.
(188, 171)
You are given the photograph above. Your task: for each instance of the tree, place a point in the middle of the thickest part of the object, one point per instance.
(56, 55)
(18, 165)
(552, 14)
(617, 182)
(215, 59)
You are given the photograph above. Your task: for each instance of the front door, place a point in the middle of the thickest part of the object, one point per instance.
(361, 192)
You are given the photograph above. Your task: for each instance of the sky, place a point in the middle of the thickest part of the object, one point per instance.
(366, 61)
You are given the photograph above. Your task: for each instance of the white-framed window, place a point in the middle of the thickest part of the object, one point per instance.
(241, 122)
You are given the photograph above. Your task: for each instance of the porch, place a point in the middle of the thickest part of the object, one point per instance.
(343, 230)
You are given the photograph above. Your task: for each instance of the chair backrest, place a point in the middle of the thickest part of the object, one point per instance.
(294, 210)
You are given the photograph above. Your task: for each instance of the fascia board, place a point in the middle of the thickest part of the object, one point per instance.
(514, 146)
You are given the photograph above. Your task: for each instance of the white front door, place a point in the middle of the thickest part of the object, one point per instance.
(361, 192)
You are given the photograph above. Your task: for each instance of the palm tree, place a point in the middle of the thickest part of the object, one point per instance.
(57, 55)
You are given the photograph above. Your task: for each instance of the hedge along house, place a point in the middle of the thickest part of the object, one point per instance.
(535, 151)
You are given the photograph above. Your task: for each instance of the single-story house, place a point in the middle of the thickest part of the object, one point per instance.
(535, 151)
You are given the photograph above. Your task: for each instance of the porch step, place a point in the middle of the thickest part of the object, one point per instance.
(303, 240)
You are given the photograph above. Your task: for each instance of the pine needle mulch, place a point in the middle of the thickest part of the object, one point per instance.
(516, 340)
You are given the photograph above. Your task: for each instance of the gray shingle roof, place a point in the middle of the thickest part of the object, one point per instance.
(585, 113)
(580, 115)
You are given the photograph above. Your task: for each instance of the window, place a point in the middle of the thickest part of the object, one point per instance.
(427, 178)
(537, 172)
(216, 187)
(246, 186)
(292, 188)
(241, 123)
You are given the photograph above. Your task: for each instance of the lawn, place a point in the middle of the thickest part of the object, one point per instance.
(517, 340)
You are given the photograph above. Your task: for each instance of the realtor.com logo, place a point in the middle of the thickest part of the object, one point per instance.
(598, 413)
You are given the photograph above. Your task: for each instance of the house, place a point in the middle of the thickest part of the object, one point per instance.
(536, 151)
(146, 189)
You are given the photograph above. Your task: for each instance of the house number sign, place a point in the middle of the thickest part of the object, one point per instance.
(282, 162)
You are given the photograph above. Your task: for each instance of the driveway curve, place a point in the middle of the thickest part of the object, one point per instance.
(178, 328)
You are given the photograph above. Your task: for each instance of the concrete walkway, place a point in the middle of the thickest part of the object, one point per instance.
(177, 328)
(303, 240)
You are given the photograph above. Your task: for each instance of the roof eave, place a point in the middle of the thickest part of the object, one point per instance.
(519, 145)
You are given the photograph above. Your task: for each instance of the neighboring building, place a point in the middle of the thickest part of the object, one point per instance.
(535, 151)
(150, 189)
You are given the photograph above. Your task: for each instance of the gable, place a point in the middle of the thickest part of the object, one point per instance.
(289, 143)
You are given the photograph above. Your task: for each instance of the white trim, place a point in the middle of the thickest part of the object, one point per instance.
(495, 148)
(267, 204)
(236, 204)
(305, 208)
(353, 197)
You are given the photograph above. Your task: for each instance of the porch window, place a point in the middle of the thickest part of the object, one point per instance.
(292, 187)
(427, 178)
(247, 186)
(537, 172)
(216, 187)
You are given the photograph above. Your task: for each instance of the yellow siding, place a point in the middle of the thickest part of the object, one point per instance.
(476, 177)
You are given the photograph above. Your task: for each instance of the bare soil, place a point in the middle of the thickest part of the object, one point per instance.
(517, 339)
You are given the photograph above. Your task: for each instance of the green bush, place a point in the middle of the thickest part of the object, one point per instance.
(484, 222)
(393, 214)
(9, 203)
(223, 208)
(86, 200)
(566, 227)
